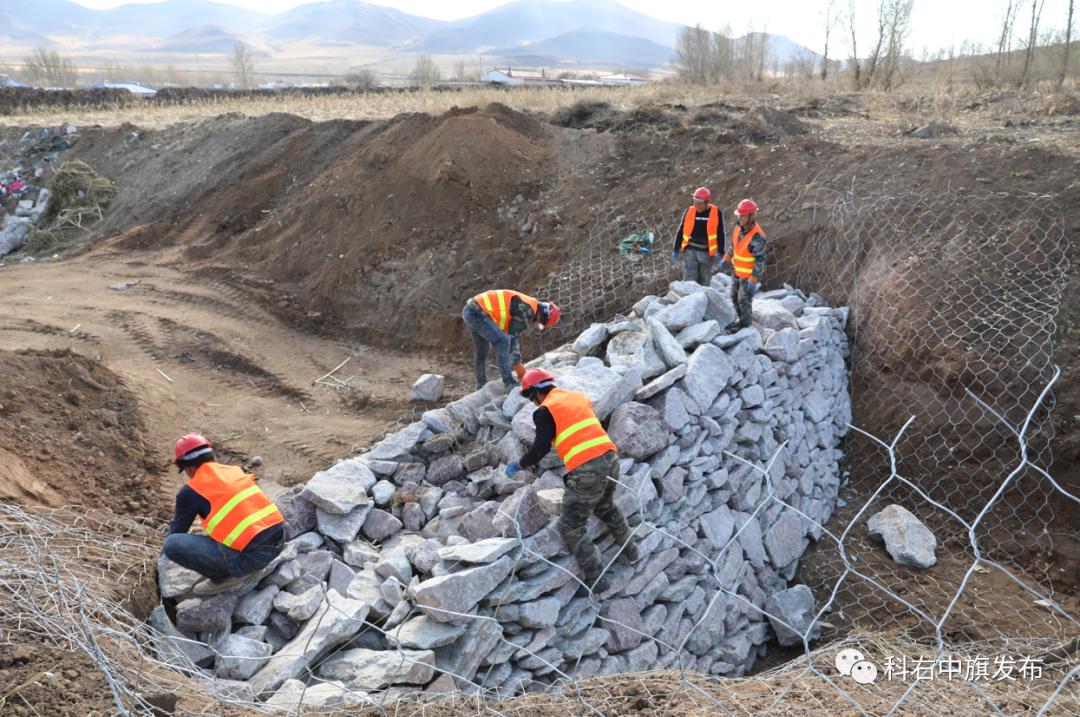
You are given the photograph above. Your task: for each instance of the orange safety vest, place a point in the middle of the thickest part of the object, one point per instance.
(712, 230)
(579, 437)
(239, 510)
(741, 258)
(496, 304)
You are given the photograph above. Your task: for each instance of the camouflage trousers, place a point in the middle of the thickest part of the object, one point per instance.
(590, 489)
(742, 296)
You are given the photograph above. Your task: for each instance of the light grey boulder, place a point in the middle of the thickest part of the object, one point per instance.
(174, 647)
(485, 551)
(590, 339)
(299, 608)
(772, 315)
(907, 540)
(795, 607)
(460, 592)
(429, 387)
(371, 670)
(295, 694)
(423, 633)
(697, 334)
(661, 383)
(175, 580)
(670, 350)
(240, 657)
(783, 346)
(685, 312)
(341, 488)
(380, 525)
(708, 372)
(382, 492)
(638, 430)
(342, 528)
(254, 607)
(206, 614)
(604, 388)
(784, 539)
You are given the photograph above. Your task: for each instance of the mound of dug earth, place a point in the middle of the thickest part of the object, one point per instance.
(70, 433)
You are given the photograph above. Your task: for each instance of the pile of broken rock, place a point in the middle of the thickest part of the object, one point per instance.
(419, 567)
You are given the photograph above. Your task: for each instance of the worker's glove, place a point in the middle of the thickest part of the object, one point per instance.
(674, 257)
(511, 468)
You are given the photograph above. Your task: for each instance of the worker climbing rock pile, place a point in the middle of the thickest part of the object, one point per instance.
(462, 551)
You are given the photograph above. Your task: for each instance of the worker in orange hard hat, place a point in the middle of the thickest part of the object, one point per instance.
(565, 419)
(244, 529)
(698, 237)
(745, 260)
(498, 318)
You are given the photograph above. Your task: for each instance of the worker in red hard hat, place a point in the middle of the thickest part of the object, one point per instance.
(745, 260)
(698, 237)
(245, 531)
(565, 419)
(498, 318)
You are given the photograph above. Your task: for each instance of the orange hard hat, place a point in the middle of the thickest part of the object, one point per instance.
(553, 313)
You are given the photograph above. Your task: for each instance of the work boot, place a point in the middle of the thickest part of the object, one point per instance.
(630, 553)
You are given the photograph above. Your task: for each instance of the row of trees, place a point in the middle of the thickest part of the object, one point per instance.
(1025, 51)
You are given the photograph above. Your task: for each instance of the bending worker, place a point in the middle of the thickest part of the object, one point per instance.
(498, 318)
(244, 530)
(566, 420)
(746, 260)
(698, 238)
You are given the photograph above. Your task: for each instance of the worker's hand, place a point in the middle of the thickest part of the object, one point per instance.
(675, 257)
(511, 468)
(519, 371)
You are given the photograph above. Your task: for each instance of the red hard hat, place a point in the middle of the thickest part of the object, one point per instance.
(536, 378)
(553, 313)
(188, 444)
(702, 193)
(745, 207)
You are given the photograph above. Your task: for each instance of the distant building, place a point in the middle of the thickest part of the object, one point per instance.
(7, 81)
(515, 78)
(132, 87)
(622, 80)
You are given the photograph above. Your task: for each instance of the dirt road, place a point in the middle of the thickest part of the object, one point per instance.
(202, 356)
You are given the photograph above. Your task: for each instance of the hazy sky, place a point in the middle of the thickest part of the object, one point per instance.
(935, 23)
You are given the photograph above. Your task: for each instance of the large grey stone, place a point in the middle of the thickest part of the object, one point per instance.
(590, 339)
(485, 551)
(635, 350)
(707, 374)
(295, 694)
(299, 513)
(175, 648)
(340, 488)
(623, 620)
(337, 620)
(206, 614)
(175, 580)
(460, 592)
(697, 334)
(445, 469)
(380, 525)
(661, 383)
(299, 608)
(382, 492)
(908, 541)
(255, 607)
(342, 528)
(423, 633)
(312, 569)
(685, 312)
(772, 315)
(605, 388)
(783, 346)
(795, 607)
(670, 350)
(240, 657)
(718, 526)
(371, 670)
(672, 408)
(638, 430)
(539, 613)
(462, 658)
(521, 514)
(398, 446)
(784, 539)
(428, 387)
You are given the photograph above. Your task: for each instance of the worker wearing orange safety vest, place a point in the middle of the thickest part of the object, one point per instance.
(698, 238)
(244, 529)
(497, 319)
(745, 260)
(565, 419)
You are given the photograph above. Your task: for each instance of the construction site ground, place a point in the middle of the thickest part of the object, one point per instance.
(244, 258)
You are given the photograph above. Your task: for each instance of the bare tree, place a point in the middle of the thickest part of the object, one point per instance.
(1068, 42)
(426, 73)
(243, 65)
(362, 79)
(763, 53)
(49, 67)
(1008, 19)
(852, 39)
(898, 21)
(1032, 41)
(830, 21)
(692, 51)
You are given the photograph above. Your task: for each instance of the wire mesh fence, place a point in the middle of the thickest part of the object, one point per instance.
(953, 301)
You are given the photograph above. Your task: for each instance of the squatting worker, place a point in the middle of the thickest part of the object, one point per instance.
(565, 419)
(697, 238)
(746, 260)
(245, 531)
(498, 318)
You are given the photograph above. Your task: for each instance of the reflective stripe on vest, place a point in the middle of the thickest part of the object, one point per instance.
(712, 227)
(496, 304)
(579, 437)
(239, 509)
(741, 258)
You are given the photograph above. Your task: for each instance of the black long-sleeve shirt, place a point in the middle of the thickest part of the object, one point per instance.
(545, 434)
(189, 505)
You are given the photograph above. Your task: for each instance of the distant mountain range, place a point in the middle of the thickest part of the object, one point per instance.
(530, 32)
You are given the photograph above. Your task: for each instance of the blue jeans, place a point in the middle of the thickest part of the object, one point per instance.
(486, 333)
(211, 559)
